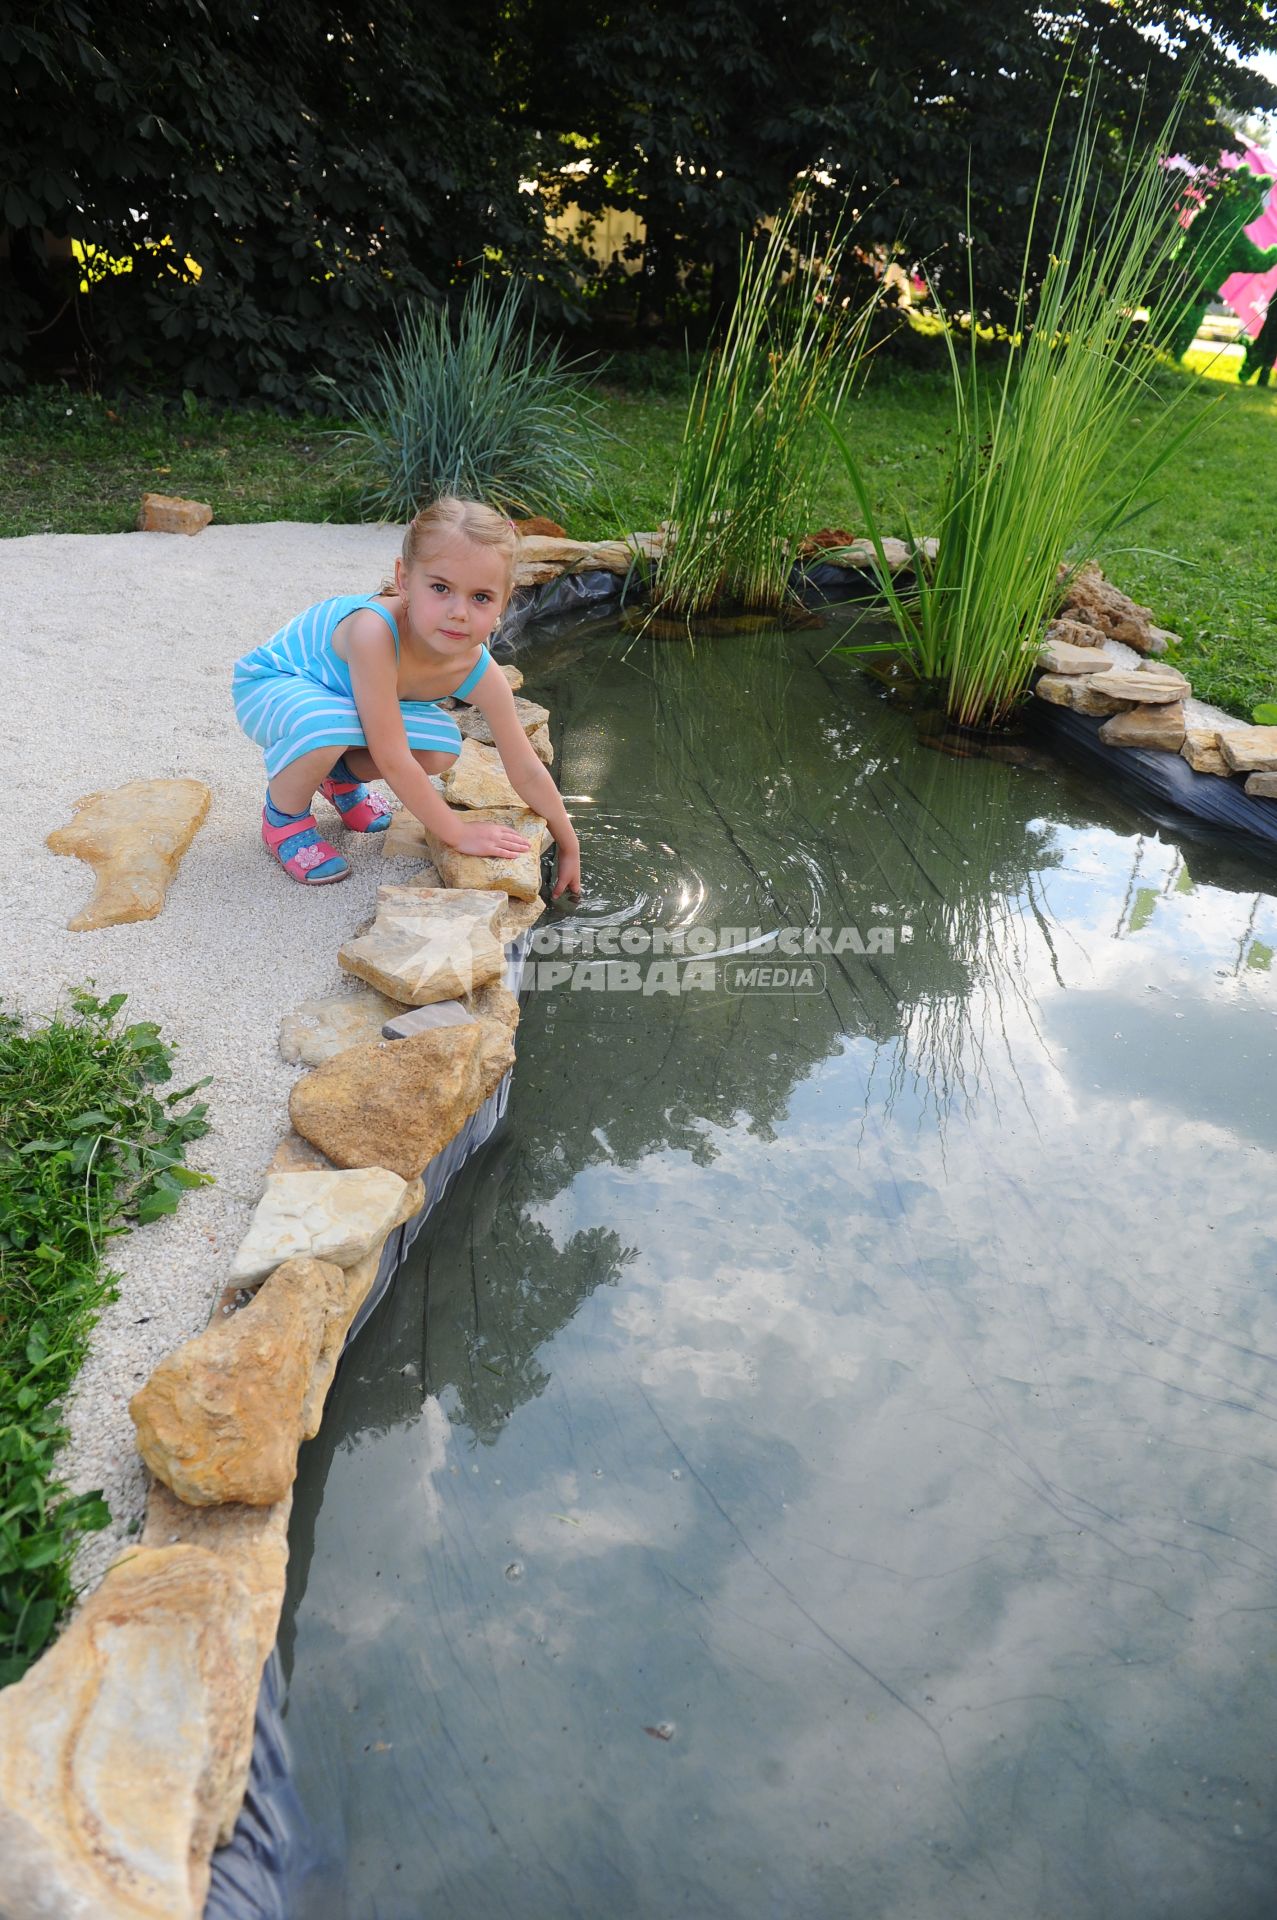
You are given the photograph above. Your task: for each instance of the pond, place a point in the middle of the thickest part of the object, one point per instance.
(819, 1458)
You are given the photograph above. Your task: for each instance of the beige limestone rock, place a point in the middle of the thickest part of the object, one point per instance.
(477, 778)
(1160, 727)
(1075, 633)
(220, 1417)
(429, 943)
(134, 838)
(576, 556)
(539, 741)
(397, 1103)
(319, 1028)
(1201, 750)
(517, 916)
(344, 1301)
(536, 573)
(1162, 670)
(251, 1541)
(1160, 638)
(1058, 656)
(402, 840)
(520, 877)
(334, 1216)
(474, 726)
(494, 1002)
(512, 674)
(1250, 749)
(124, 1750)
(410, 1020)
(166, 513)
(1144, 689)
(1263, 786)
(1081, 694)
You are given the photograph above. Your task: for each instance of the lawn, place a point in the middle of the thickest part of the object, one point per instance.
(1204, 555)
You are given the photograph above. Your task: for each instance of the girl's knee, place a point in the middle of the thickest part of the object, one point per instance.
(434, 762)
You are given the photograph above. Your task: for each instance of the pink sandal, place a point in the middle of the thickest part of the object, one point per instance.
(368, 814)
(302, 854)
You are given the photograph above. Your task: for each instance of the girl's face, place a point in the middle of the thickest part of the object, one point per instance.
(455, 594)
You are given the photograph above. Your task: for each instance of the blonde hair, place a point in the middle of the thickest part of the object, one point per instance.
(472, 519)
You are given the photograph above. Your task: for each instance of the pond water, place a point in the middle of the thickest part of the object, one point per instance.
(819, 1460)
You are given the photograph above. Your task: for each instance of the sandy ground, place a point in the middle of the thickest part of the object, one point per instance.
(118, 654)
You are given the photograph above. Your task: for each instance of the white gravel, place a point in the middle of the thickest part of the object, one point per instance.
(118, 658)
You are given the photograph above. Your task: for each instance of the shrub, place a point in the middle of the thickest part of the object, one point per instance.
(477, 407)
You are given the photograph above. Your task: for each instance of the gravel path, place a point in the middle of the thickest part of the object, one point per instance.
(122, 646)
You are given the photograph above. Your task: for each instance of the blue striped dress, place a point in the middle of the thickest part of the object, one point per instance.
(294, 693)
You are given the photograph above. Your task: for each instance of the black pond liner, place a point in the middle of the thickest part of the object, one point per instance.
(272, 1844)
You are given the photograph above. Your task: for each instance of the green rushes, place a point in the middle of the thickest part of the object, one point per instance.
(748, 469)
(477, 407)
(1038, 439)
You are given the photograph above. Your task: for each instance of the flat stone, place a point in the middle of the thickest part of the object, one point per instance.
(402, 840)
(1250, 749)
(1058, 656)
(1201, 750)
(512, 674)
(133, 837)
(429, 943)
(477, 778)
(220, 1418)
(474, 726)
(520, 877)
(251, 1541)
(344, 1301)
(576, 556)
(1082, 695)
(319, 1028)
(397, 1103)
(539, 741)
(334, 1216)
(124, 1749)
(1162, 670)
(167, 513)
(1075, 633)
(1160, 727)
(536, 573)
(1263, 786)
(517, 916)
(1145, 689)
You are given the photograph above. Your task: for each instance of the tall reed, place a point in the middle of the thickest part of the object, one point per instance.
(1037, 443)
(748, 469)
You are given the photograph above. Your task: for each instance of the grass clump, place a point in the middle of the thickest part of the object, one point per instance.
(479, 408)
(86, 1148)
(1037, 439)
(748, 473)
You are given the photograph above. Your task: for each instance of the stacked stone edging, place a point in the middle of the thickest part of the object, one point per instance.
(125, 1750)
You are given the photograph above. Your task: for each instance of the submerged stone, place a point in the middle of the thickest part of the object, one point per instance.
(134, 838)
(429, 943)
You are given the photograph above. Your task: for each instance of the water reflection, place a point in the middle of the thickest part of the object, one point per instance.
(872, 1392)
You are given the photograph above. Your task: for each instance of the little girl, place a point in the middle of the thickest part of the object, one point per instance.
(348, 692)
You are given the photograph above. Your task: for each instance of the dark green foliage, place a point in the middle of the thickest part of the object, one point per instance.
(85, 1147)
(320, 166)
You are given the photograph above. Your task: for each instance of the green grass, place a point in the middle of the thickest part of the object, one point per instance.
(1205, 555)
(85, 1148)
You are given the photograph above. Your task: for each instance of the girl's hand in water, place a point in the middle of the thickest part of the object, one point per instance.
(491, 841)
(569, 874)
